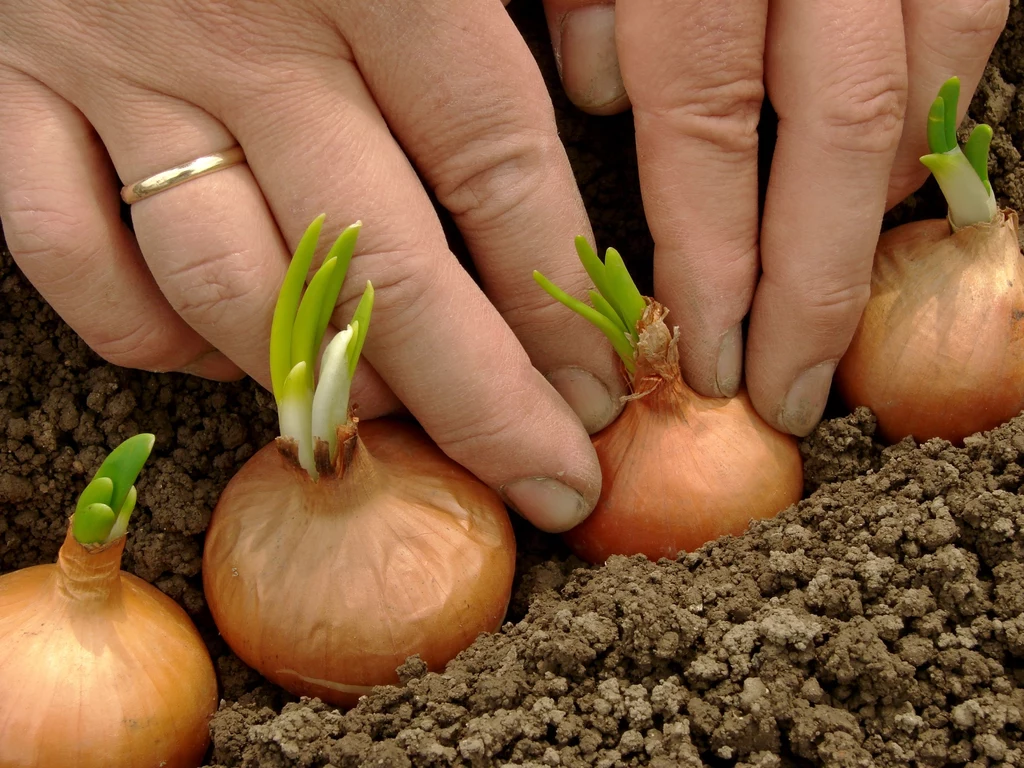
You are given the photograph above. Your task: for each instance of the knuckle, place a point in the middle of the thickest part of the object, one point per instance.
(138, 344)
(208, 290)
(41, 234)
(483, 439)
(982, 19)
(725, 114)
(865, 112)
(487, 183)
(541, 317)
(835, 308)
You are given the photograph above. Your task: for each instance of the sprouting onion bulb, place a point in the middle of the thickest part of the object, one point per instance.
(337, 552)
(679, 469)
(939, 351)
(97, 667)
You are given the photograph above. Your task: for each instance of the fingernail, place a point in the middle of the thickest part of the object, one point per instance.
(587, 396)
(803, 406)
(548, 504)
(589, 61)
(214, 365)
(730, 362)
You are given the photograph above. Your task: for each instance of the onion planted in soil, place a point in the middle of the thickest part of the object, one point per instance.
(679, 469)
(339, 551)
(97, 667)
(940, 347)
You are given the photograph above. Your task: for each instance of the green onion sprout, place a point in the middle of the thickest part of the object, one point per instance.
(107, 502)
(310, 411)
(962, 174)
(617, 303)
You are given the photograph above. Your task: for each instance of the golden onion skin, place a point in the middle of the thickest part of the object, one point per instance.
(99, 669)
(678, 469)
(327, 587)
(940, 348)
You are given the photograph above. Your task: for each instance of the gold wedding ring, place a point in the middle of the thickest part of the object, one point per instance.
(179, 174)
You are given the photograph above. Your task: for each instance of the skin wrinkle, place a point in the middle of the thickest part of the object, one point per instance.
(137, 344)
(984, 18)
(214, 287)
(491, 187)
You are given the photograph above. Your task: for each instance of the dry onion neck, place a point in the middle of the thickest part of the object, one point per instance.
(312, 411)
(107, 502)
(962, 174)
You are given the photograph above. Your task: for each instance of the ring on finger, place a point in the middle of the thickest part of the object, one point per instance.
(179, 174)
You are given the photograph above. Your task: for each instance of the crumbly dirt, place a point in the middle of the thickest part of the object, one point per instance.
(878, 622)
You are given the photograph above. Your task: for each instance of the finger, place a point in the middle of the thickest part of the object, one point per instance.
(836, 76)
(59, 206)
(694, 73)
(499, 167)
(211, 244)
(583, 40)
(434, 338)
(944, 38)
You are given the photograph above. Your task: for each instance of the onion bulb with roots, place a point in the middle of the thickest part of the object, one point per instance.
(340, 550)
(939, 351)
(678, 469)
(98, 668)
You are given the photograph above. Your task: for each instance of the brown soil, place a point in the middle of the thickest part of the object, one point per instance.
(879, 622)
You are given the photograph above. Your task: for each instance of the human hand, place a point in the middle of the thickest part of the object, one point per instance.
(841, 77)
(338, 105)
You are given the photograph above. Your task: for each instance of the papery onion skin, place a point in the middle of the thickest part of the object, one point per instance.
(326, 588)
(940, 348)
(99, 668)
(678, 469)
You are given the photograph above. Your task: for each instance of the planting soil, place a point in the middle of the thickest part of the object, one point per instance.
(878, 622)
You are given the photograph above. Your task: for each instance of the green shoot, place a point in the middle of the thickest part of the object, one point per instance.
(107, 502)
(330, 401)
(962, 174)
(617, 303)
(361, 323)
(310, 410)
(288, 304)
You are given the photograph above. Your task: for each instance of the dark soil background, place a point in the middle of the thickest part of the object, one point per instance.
(879, 622)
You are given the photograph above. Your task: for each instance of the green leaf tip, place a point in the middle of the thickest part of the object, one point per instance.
(360, 326)
(950, 95)
(937, 127)
(341, 252)
(624, 295)
(287, 306)
(976, 150)
(92, 525)
(306, 334)
(959, 171)
(110, 496)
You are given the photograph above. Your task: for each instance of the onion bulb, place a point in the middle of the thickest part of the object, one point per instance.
(341, 549)
(939, 351)
(678, 469)
(98, 667)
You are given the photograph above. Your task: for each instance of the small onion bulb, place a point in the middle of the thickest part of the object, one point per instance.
(99, 668)
(940, 347)
(327, 586)
(680, 469)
